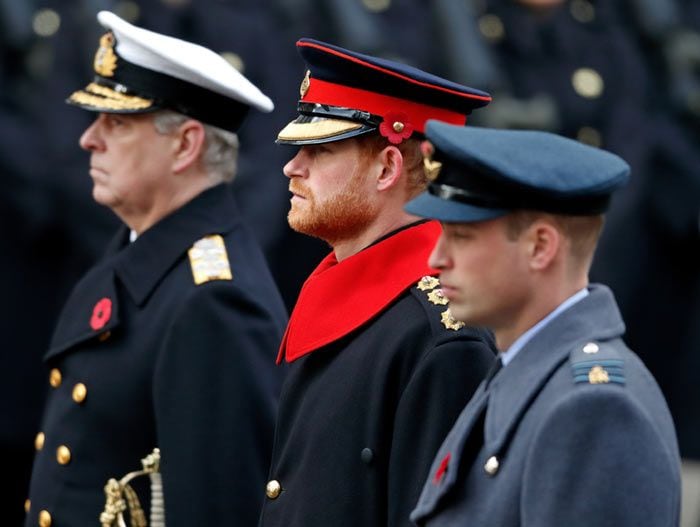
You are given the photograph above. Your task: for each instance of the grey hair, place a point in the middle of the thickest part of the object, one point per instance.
(220, 156)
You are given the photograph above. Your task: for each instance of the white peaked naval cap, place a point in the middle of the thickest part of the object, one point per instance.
(138, 71)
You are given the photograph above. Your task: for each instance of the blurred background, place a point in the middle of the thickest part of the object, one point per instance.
(620, 74)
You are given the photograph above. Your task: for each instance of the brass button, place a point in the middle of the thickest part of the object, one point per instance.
(376, 6)
(582, 11)
(55, 377)
(39, 441)
(588, 83)
(63, 455)
(44, 519)
(79, 392)
(398, 127)
(235, 60)
(27, 505)
(491, 28)
(104, 336)
(273, 489)
(491, 466)
(591, 347)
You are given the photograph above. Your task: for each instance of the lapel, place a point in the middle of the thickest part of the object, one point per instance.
(142, 265)
(444, 470)
(516, 386)
(95, 304)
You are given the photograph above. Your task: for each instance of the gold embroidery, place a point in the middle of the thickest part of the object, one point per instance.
(305, 84)
(105, 59)
(209, 260)
(437, 297)
(449, 321)
(107, 98)
(428, 282)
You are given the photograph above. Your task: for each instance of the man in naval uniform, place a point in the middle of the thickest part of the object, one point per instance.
(170, 340)
(573, 430)
(378, 369)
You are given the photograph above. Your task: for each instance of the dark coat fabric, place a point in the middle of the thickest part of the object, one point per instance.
(187, 368)
(574, 431)
(361, 417)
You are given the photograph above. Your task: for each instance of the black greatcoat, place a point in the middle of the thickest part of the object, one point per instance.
(165, 363)
(362, 416)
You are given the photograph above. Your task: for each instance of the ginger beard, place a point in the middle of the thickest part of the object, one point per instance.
(342, 216)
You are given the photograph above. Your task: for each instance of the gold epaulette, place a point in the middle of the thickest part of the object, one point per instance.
(209, 260)
(429, 285)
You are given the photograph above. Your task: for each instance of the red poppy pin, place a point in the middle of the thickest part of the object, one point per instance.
(396, 127)
(101, 313)
(442, 469)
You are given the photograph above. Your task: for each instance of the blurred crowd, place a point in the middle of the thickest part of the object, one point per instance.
(621, 74)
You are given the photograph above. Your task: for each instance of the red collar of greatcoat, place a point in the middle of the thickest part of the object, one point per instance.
(339, 297)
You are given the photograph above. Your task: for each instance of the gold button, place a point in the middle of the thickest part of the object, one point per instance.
(492, 28)
(104, 336)
(491, 466)
(44, 519)
(376, 6)
(63, 455)
(27, 505)
(273, 489)
(591, 347)
(398, 127)
(39, 441)
(55, 378)
(79, 392)
(235, 60)
(582, 11)
(588, 83)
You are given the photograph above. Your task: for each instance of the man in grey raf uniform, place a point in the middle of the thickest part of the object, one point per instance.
(169, 341)
(572, 430)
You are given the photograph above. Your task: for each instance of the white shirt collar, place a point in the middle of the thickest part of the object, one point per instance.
(523, 339)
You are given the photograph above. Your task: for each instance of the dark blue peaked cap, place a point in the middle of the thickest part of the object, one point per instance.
(345, 94)
(486, 173)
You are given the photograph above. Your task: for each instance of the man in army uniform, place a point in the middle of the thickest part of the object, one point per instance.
(378, 368)
(573, 430)
(169, 341)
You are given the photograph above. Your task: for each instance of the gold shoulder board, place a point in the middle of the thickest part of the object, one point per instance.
(209, 260)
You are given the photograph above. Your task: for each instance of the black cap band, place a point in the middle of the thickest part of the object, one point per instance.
(173, 93)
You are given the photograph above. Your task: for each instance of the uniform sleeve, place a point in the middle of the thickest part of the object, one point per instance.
(434, 397)
(599, 460)
(215, 394)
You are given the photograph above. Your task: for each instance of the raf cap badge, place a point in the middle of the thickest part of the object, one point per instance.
(105, 58)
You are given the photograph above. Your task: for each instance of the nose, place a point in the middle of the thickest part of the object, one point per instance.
(439, 259)
(297, 166)
(91, 139)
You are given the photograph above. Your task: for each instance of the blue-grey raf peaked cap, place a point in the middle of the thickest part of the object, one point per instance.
(478, 174)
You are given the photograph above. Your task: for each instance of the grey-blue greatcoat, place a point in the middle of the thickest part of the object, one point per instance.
(570, 452)
(184, 367)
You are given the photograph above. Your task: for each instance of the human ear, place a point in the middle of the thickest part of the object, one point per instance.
(189, 143)
(543, 241)
(391, 162)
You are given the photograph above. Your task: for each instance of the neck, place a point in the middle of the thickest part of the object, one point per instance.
(547, 298)
(382, 226)
(165, 204)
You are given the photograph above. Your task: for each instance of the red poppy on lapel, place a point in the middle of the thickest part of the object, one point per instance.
(101, 314)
